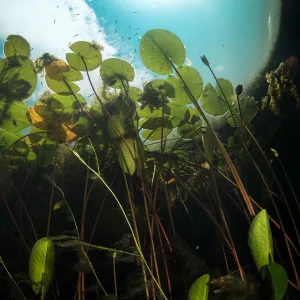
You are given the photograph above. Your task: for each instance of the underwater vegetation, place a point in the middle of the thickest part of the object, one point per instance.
(143, 193)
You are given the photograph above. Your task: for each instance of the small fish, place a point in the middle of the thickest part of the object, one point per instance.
(129, 27)
(132, 60)
(129, 38)
(122, 38)
(54, 21)
(107, 33)
(69, 44)
(135, 12)
(136, 34)
(223, 45)
(75, 35)
(91, 95)
(119, 55)
(115, 31)
(100, 30)
(116, 22)
(134, 50)
(31, 49)
(137, 28)
(76, 15)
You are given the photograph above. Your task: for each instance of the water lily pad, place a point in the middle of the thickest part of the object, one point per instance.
(134, 93)
(16, 45)
(191, 80)
(211, 102)
(248, 111)
(18, 78)
(13, 116)
(86, 56)
(61, 87)
(114, 71)
(156, 122)
(227, 89)
(158, 48)
(154, 135)
(56, 68)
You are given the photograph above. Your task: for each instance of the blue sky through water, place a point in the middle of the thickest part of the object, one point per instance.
(235, 35)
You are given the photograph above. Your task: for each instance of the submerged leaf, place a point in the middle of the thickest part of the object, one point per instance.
(41, 265)
(279, 280)
(130, 154)
(199, 289)
(158, 48)
(260, 240)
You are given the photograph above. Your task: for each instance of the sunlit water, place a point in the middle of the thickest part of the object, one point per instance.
(236, 36)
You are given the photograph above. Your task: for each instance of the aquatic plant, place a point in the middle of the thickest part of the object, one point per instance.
(164, 153)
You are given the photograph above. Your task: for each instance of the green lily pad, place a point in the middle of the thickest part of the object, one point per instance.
(41, 265)
(18, 78)
(134, 93)
(189, 130)
(199, 289)
(13, 116)
(13, 144)
(16, 45)
(72, 75)
(158, 48)
(260, 240)
(84, 51)
(59, 86)
(248, 111)
(154, 135)
(114, 71)
(211, 102)
(227, 89)
(191, 80)
(156, 122)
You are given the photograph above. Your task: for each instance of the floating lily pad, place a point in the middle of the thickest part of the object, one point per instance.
(158, 48)
(85, 57)
(134, 93)
(115, 72)
(59, 86)
(211, 102)
(227, 89)
(13, 115)
(248, 111)
(154, 135)
(16, 45)
(18, 78)
(56, 68)
(190, 80)
(156, 122)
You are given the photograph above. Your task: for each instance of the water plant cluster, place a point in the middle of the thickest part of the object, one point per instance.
(165, 145)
